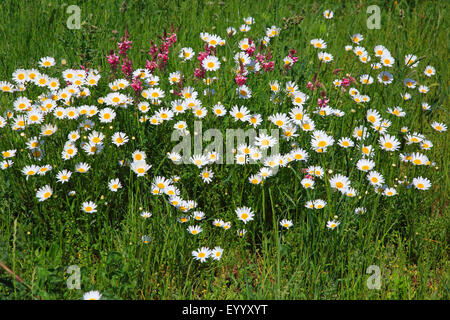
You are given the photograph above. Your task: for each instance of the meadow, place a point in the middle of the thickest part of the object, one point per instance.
(353, 205)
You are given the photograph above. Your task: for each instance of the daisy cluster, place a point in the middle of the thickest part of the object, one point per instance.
(169, 99)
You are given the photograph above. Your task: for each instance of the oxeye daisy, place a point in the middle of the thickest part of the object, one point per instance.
(48, 130)
(279, 119)
(319, 204)
(385, 77)
(299, 98)
(20, 76)
(30, 170)
(380, 51)
(429, 71)
(346, 142)
(211, 63)
(143, 106)
(365, 165)
(207, 175)
(138, 155)
(423, 89)
(419, 159)
(273, 31)
(231, 31)
(439, 126)
(178, 106)
(198, 215)
(140, 167)
(389, 143)
(375, 178)
(366, 79)
(201, 254)
(414, 138)
(44, 193)
(216, 253)
(165, 114)
(199, 160)
(410, 61)
(6, 164)
(200, 112)
(339, 182)
(325, 57)
(255, 120)
(194, 230)
(244, 214)
(219, 110)
(106, 115)
(44, 169)
(114, 185)
(82, 167)
(321, 142)
(309, 204)
(240, 113)
(119, 138)
(337, 83)
(318, 43)
(286, 223)
(174, 77)
(421, 183)
(183, 219)
(375, 66)
(47, 62)
(63, 176)
(241, 232)
(265, 141)
(218, 223)
(387, 60)
(161, 182)
(146, 214)
(389, 192)
(351, 192)
(92, 295)
(9, 153)
(357, 38)
(364, 58)
(171, 191)
(146, 239)
(410, 83)
(332, 224)
(244, 92)
(307, 183)
(426, 145)
(89, 207)
(397, 111)
(328, 14)
(186, 53)
(359, 51)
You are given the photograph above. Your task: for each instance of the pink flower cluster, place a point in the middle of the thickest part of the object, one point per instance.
(292, 55)
(323, 102)
(265, 61)
(347, 81)
(307, 176)
(314, 83)
(137, 86)
(160, 55)
(251, 48)
(114, 59)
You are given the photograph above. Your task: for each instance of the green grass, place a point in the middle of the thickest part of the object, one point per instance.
(406, 235)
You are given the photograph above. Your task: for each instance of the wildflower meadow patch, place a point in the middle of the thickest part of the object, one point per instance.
(222, 150)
